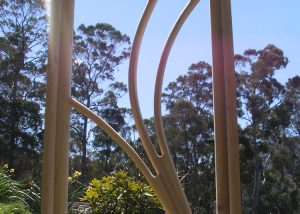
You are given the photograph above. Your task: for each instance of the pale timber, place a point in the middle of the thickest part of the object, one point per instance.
(225, 110)
(56, 144)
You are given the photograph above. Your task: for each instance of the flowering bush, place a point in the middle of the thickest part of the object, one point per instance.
(119, 193)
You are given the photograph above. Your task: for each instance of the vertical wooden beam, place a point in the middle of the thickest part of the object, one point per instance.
(221, 158)
(225, 112)
(56, 147)
(231, 111)
(63, 98)
(50, 111)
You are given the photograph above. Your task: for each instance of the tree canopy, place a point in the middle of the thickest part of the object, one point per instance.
(23, 37)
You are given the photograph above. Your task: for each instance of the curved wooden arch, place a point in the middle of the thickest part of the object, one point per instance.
(164, 180)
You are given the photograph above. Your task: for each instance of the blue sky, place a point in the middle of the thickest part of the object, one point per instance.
(256, 23)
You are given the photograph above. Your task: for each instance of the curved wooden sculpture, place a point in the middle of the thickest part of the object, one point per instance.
(164, 179)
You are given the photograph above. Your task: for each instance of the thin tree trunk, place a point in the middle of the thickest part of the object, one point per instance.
(84, 150)
(84, 144)
(257, 173)
(257, 186)
(12, 143)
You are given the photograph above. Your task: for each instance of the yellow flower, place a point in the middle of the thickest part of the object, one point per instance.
(69, 179)
(5, 166)
(76, 174)
(12, 170)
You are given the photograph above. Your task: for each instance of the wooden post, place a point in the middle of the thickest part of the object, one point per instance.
(231, 111)
(56, 145)
(50, 112)
(225, 112)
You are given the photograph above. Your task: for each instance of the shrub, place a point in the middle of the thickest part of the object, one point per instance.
(119, 193)
(13, 208)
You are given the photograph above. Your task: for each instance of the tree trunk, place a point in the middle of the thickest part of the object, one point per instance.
(12, 143)
(84, 170)
(13, 120)
(257, 186)
(84, 151)
(257, 173)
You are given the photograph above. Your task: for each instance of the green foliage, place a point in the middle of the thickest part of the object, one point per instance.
(267, 109)
(13, 208)
(12, 197)
(33, 196)
(21, 194)
(10, 190)
(120, 193)
(23, 40)
(189, 130)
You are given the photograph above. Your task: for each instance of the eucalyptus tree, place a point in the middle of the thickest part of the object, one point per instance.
(266, 115)
(23, 40)
(98, 50)
(189, 130)
(292, 101)
(269, 131)
(282, 185)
